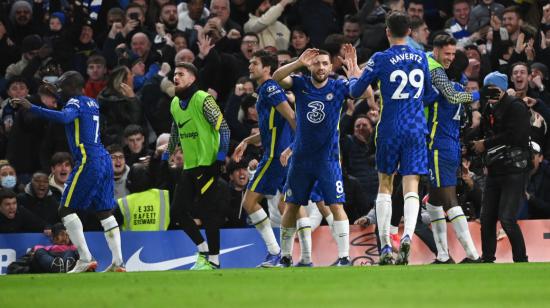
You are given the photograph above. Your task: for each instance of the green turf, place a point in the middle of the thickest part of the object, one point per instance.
(481, 285)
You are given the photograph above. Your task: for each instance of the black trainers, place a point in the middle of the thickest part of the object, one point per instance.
(471, 261)
(286, 261)
(449, 261)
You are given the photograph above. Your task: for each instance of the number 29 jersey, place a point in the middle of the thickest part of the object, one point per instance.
(404, 79)
(317, 117)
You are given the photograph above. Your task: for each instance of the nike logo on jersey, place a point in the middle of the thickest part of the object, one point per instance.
(135, 263)
(181, 125)
(339, 196)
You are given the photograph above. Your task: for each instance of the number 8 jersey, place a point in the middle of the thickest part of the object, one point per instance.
(317, 117)
(404, 79)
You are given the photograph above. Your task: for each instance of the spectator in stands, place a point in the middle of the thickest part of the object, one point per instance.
(352, 30)
(419, 34)
(22, 21)
(299, 41)
(119, 106)
(33, 52)
(14, 219)
(482, 12)
(96, 70)
(190, 13)
(538, 186)
(222, 9)
(415, 8)
(240, 114)
(235, 216)
(512, 22)
(358, 152)
(60, 167)
(9, 50)
(283, 57)
(17, 88)
(135, 149)
(120, 170)
(458, 25)
(8, 178)
(263, 20)
(538, 80)
(169, 17)
(39, 200)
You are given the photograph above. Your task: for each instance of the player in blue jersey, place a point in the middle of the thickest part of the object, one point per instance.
(444, 151)
(315, 150)
(276, 120)
(90, 184)
(404, 79)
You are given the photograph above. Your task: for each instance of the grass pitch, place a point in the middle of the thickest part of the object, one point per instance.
(475, 285)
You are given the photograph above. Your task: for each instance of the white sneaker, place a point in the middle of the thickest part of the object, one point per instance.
(84, 266)
(115, 268)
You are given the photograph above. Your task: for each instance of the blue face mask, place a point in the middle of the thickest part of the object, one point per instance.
(9, 181)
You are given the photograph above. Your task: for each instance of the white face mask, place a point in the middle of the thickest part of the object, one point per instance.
(9, 181)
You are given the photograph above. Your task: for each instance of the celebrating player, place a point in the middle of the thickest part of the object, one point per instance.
(91, 180)
(315, 150)
(444, 149)
(400, 135)
(275, 115)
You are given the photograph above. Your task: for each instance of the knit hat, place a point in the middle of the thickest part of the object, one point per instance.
(31, 42)
(496, 79)
(19, 4)
(60, 16)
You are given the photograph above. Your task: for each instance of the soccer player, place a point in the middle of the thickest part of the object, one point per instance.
(315, 149)
(400, 134)
(201, 130)
(91, 180)
(444, 154)
(276, 119)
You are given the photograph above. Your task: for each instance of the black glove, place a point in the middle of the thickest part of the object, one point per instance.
(489, 92)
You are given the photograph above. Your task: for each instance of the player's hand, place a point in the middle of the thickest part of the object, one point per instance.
(253, 164)
(308, 56)
(478, 146)
(21, 102)
(239, 151)
(285, 156)
(363, 221)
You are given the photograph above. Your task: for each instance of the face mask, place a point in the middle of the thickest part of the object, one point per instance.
(9, 181)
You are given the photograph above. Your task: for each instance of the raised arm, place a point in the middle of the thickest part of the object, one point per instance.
(282, 74)
(445, 86)
(214, 116)
(67, 115)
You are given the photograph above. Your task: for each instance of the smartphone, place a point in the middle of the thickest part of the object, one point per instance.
(134, 16)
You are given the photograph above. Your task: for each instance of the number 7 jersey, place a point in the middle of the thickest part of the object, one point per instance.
(404, 79)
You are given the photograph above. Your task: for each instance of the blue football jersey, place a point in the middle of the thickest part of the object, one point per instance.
(444, 122)
(274, 129)
(317, 117)
(81, 118)
(404, 78)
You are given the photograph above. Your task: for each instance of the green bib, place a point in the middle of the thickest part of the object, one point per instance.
(199, 140)
(432, 63)
(145, 211)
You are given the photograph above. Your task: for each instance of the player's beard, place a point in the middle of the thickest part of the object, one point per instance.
(319, 79)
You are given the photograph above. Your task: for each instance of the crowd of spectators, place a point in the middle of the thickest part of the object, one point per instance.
(127, 50)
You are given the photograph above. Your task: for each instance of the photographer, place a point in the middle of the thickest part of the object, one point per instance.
(505, 131)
